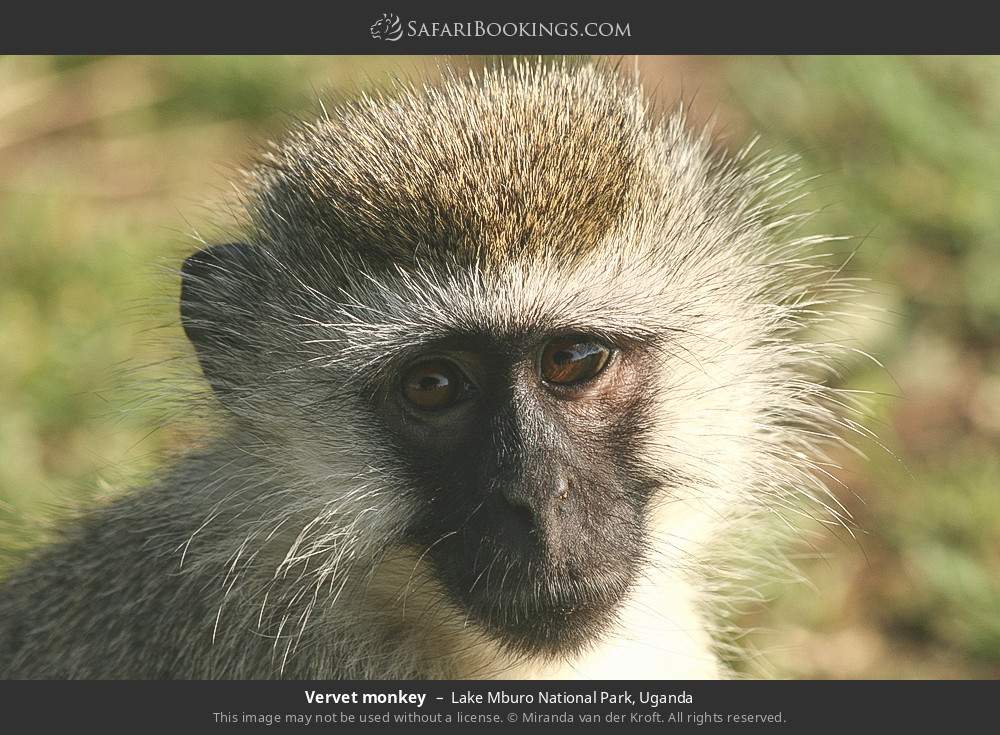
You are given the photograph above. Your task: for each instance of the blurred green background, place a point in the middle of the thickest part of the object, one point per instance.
(107, 165)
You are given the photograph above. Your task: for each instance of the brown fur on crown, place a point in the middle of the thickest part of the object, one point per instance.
(516, 163)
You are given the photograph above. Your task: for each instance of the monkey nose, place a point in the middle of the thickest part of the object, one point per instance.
(537, 510)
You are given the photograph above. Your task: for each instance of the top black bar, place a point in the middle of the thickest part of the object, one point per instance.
(440, 28)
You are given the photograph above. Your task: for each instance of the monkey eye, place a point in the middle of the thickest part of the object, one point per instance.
(434, 385)
(572, 359)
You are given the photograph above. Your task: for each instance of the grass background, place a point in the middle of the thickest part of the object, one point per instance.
(108, 164)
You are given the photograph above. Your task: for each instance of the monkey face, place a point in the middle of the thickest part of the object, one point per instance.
(525, 453)
(520, 449)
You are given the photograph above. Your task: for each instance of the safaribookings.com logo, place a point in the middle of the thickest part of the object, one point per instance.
(387, 28)
(390, 28)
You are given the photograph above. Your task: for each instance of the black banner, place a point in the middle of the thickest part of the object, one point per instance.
(452, 28)
(522, 706)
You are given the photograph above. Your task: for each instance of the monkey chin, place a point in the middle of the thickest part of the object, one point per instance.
(548, 616)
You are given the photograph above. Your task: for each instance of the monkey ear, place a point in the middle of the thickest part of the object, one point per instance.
(222, 288)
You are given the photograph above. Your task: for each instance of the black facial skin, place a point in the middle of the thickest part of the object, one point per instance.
(535, 496)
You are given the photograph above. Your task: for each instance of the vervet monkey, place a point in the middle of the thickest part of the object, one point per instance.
(506, 364)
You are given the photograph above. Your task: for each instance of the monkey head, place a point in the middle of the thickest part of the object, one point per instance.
(520, 324)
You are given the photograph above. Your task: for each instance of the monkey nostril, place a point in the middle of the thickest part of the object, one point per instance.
(524, 515)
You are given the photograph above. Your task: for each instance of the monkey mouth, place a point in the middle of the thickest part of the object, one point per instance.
(549, 590)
